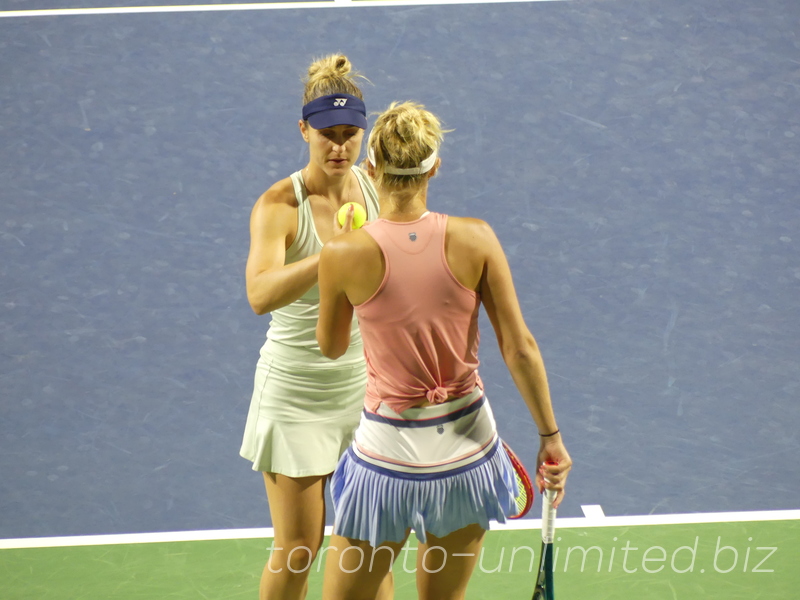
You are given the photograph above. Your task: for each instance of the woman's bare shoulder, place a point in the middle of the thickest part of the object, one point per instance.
(469, 231)
(280, 193)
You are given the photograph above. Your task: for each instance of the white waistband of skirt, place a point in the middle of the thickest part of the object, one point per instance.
(435, 439)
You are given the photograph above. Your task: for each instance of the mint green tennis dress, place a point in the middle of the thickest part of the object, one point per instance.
(305, 407)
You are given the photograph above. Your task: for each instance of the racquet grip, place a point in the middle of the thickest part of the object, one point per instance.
(548, 516)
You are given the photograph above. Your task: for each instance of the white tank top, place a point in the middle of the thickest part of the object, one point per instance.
(295, 324)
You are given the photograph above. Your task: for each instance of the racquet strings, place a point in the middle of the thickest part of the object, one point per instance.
(524, 495)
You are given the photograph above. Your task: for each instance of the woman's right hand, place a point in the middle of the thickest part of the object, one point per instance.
(339, 229)
(554, 467)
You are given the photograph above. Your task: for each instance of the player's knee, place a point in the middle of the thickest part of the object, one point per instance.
(300, 558)
(296, 556)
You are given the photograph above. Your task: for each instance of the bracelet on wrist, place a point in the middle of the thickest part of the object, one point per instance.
(549, 434)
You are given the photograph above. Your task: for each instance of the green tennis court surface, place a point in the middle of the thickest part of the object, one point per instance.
(730, 560)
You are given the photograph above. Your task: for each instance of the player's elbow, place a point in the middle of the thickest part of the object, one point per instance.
(330, 351)
(329, 345)
(256, 300)
(259, 306)
(524, 351)
(261, 298)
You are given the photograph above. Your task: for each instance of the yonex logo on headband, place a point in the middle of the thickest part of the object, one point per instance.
(336, 109)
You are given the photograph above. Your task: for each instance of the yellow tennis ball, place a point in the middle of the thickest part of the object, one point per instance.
(359, 214)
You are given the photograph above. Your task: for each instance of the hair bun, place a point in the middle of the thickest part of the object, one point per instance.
(403, 137)
(332, 74)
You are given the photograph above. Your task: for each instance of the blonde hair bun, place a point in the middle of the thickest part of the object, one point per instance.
(332, 74)
(405, 135)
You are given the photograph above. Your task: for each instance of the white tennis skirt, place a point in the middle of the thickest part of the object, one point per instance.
(435, 469)
(303, 411)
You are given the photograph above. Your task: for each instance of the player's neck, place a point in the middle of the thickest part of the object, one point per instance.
(404, 206)
(336, 189)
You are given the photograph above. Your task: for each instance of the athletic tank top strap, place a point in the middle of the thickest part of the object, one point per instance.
(306, 242)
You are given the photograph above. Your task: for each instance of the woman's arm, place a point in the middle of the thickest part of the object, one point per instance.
(270, 283)
(335, 310)
(351, 270)
(523, 359)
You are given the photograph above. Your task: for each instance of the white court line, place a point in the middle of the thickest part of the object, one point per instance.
(268, 532)
(66, 12)
(630, 521)
(592, 511)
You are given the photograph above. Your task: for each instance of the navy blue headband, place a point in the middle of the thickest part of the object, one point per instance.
(336, 109)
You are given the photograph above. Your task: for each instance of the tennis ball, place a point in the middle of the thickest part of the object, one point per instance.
(359, 214)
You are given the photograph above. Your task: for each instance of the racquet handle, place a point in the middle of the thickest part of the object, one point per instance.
(548, 516)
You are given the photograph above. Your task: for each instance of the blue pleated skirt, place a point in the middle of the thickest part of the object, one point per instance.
(379, 501)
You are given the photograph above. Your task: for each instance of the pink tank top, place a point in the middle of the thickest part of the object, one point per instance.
(420, 328)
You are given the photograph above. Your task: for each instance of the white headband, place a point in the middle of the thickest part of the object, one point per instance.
(423, 167)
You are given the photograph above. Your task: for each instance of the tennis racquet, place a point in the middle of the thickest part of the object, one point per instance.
(524, 485)
(544, 582)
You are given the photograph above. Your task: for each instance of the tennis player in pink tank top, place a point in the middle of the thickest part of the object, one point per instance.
(426, 456)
